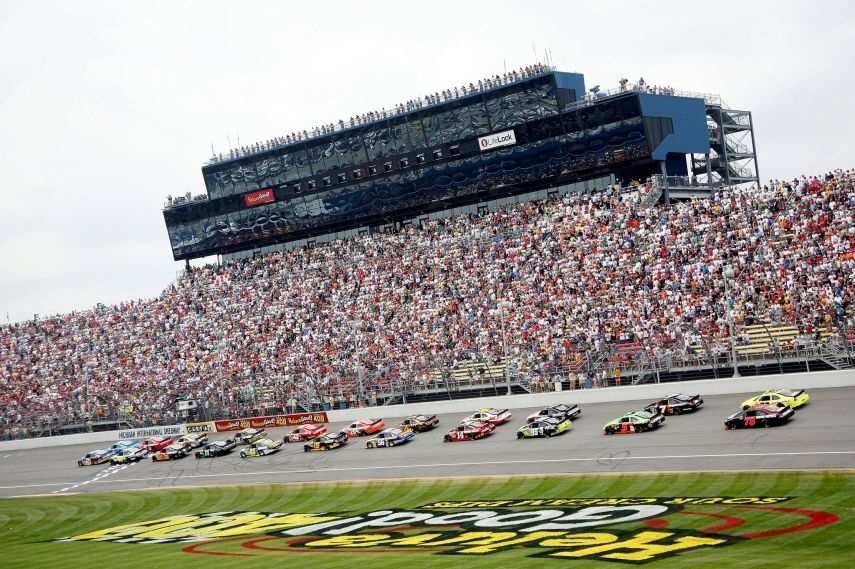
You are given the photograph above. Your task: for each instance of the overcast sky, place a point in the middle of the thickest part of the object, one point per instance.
(107, 107)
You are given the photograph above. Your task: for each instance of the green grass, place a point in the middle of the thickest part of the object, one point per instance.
(28, 524)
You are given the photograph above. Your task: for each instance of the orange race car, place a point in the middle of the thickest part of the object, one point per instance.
(364, 427)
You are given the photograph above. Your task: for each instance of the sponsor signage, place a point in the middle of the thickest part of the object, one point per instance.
(269, 421)
(260, 197)
(497, 140)
(617, 530)
(206, 427)
(168, 431)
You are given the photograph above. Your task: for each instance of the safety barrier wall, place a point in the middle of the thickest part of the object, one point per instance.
(817, 380)
(844, 378)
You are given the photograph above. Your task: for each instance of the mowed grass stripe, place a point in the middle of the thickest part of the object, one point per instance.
(32, 520)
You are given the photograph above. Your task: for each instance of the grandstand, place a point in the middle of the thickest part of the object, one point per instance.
(573, 287)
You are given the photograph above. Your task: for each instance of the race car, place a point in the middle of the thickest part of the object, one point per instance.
(420, 423)
(154, 444)
(264, 447)
(635, 422)
(470, 431)
(561, 411)
(328, 441)
(793, 398)
(173, 452)
(249, 436)
(124, 445)
(128, 455)
(94, 457)
(194, 440)
(364, 427)
(759, 416)
(676, 404)
(544, 427)
(305, 433)
(217, 448)
(491, 415)
(390, 438)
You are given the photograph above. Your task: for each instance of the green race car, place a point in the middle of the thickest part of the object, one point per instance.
(545, 427)
(635, 422)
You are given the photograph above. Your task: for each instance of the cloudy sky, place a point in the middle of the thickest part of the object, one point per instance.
(107, 107)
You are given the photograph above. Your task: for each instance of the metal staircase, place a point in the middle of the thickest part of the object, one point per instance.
(732, 158)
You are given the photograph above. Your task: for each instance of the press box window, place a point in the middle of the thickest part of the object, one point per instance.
(387, 167)
(404, 162)
(310, 184)
(327, 181)
(420, 158)
(437, 154)
(296, 188)
(454, 150)
(357, 174)
(372, 170)
(342, 178)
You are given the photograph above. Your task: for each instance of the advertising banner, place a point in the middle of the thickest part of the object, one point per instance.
(260, 197)
(167, 431)
(270, 421)
(497, 140)
(205, 427)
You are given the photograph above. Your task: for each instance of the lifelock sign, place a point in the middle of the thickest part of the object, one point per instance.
(497, 140)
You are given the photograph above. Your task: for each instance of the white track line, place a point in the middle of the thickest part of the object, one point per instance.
(103, 480)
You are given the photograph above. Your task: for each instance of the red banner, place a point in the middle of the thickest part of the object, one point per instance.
(259, 198)
(270, 421)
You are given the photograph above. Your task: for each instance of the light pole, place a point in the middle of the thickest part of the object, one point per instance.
(504, 346)
(728, 274)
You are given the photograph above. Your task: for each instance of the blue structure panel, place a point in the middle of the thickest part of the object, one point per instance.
(688, 117)
(572, 81)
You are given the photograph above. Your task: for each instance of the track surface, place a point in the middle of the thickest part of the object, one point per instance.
(821, 436)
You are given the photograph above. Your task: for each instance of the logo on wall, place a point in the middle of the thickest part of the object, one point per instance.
(578, 528)
(259, 197)
(497, 140)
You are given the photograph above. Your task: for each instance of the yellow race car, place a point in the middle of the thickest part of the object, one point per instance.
(793, 398)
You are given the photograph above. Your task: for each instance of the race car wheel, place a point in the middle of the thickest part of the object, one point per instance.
(243, 454)
(745, 407)
(447, 439)
(520, 436)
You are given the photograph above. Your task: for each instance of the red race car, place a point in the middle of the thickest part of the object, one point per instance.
(305, 433)
(491, 415)
(364, 427)
(154, 444)
(470, 431)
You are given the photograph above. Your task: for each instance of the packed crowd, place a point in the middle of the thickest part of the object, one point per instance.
(484, 84)
(538, 283)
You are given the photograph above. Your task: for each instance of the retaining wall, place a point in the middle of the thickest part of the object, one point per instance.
(817, 380)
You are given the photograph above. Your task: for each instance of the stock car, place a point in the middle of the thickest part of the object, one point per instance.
(249, 436)
(420, 423)
(793, 398)
(154, 444)
(217, 448)
(491, 415)
(544, 427)
(124, 445)
(364, 427)
(634, 422)
(194, 440)
(328, 441)
(94, 457)
(173, 452)
(264, 447)
(470, 431)
(676, 404)
(130, 454)
(561, 411)
(759, 416)
(305, 433)
(390, 438)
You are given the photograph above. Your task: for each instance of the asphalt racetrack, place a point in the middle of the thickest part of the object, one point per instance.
(820, 437)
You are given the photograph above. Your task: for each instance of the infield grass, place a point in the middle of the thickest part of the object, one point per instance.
(28, 525)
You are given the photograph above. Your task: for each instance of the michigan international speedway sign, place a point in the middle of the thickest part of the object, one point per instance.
(575, 528)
